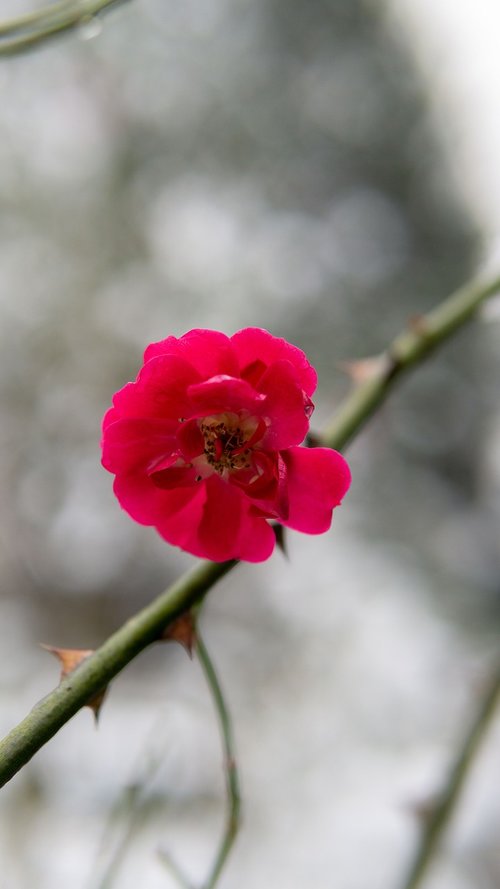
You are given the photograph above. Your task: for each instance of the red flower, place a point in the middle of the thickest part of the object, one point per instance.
(204, 444)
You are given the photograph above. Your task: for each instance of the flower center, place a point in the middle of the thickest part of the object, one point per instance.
(227, 443)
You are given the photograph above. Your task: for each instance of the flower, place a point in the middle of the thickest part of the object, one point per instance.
(205, 444)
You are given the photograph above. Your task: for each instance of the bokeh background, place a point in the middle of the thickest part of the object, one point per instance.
(307, 168)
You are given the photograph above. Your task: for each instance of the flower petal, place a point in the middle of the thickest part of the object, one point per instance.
(209, 351)
(226, 528)
(284, 407)
(190, 438)
(148, 504)
(222, 394)
(257, 538)
(160, 389)
(131, 444)
(199, 523)
(317, 479)
(255, 347)
(219, 530)
(178, 476)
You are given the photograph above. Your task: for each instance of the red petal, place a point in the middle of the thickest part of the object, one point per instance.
(317, 480)
(190, 438)
(257, 539)
(201, 525)
(148, 504)
(180, 520)
(160, 390)
(111, 416)
(256, 345)
(174, 477)
(209, 351)
(269, 492)
(219, 530)
(222, 394)
(284, 407)
(129, 444)
(229, 529)
(253, 372)
(221, 527)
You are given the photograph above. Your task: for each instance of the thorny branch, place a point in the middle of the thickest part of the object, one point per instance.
(95, 673)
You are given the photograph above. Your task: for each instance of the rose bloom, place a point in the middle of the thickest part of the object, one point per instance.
(205, 444)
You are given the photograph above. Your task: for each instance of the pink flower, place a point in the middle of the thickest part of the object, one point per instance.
(204, 444)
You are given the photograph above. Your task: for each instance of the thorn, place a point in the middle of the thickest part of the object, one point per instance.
(183, 631)
(419, 325)
(422, 809)
(365, 369)
(70, 659)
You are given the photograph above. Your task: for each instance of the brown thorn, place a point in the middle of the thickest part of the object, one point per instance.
(70, 659)
(419, 325)
(183, 631)
(364, 369)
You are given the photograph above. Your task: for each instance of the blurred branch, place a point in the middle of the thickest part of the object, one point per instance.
(29, 30)
(439, 816)
(230, 772)
(230, 768)
(130, 811)
(378, 375)
(94, 673)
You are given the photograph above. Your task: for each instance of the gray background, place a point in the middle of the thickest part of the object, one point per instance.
(223, 163)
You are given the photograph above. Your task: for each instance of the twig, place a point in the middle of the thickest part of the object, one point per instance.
(230, 767)
(131, 806)
(174, 869)
(436, 821)
(98, 669)
(29, 30)
(230, 773)
(410, 348)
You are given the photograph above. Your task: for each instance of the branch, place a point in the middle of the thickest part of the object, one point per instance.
(96, 671)
(230, 768)
(29, 30)
(230, 773)
(93, 675)
(437, 820)
(411, 347)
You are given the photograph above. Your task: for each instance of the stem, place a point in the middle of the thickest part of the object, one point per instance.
(230, 773)
(230, 768)
(174, 869)
(438, 819)
(411, 347)
(27, 31)
(97, 670)
(30, 19)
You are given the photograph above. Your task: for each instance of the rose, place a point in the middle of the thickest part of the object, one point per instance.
(205, 444)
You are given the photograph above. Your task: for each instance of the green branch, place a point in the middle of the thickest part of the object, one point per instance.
(230, 773)
(230, 768)
(97, 670)
(23, 33)
(411, 347)
(437, 820)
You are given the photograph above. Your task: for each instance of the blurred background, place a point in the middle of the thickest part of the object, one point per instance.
(325, 169)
